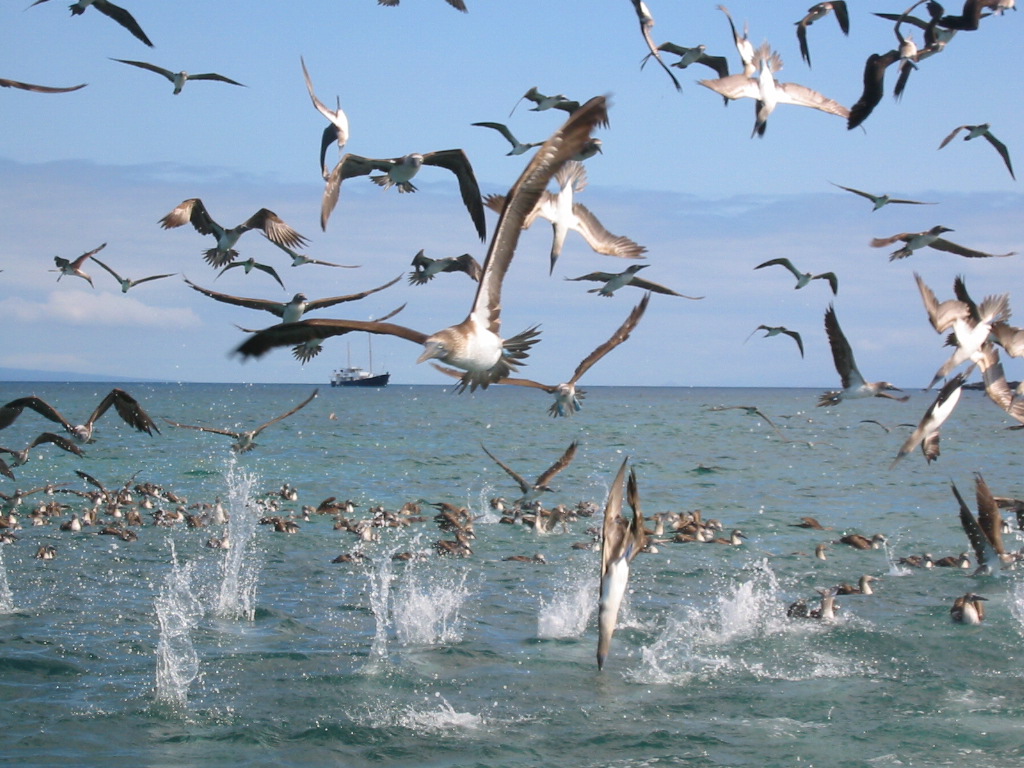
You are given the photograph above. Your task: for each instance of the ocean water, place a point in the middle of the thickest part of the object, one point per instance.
(164, 652)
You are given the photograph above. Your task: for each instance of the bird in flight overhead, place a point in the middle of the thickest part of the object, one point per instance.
(5, 83)
(879, 200)
(973, 132)
(108, 9)
(336, 131)
(854, 385)
(178, 78)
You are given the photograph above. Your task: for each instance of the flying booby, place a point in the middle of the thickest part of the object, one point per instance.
(193, 211)
(473, 345)
(178, 78)
(337, 130)
(127, 407)
(518, 147)
(425, 268)
(775, 330)
(927, 433)
(643, 15)
(127, 284)
(982, 129)
(531, 491)
(5, 83)
(931, 238)
(816, 12)
(615, 280)
(854, 385)
(399, 172)
(108, 9)
(879, 201)
(74, 268)
(803, 278)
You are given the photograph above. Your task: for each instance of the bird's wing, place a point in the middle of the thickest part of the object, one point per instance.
(941, 244)
(349, 166)
(561, 463)
(61, 442)
(286, 414)
(214, 76)
(866, 195)
(122, 17)
(842, 353)
(801, 36)
(458, 374)
(1002, 150)
(646, 24)
(796, 337)
(112, 272)
(330, 302)
(801, 95)
(942, 316)
(952, 135)
(150, 277)
(613, 539)
(881, 242)
(215, 430)
(287, 334)
(647, 285)
(781, 262)
(274, 307)
(275, 228)
(601, 240)
(270, 271)
(733, 86)
(523, 197)
(989, 519)
(500, 128)
(10, 411)
(519, 479)
(457, 161)
(151, 67)
(620, 335)
(842, 15)
(600, 277)
(5, 83)
(127, 408)
(833, 281)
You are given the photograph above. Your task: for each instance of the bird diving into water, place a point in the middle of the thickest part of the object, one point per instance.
(803, 278)
(473, 345)
(245, 441)
(194, 211)
(399, 172)
(621, 541)
(927, 432)
(179, 78)
(854, 385)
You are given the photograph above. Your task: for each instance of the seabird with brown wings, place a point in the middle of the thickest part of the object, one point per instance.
(531, 491)
(246, 440)
(854, 384)
(178, 78)
(127, 408)
(473, 345)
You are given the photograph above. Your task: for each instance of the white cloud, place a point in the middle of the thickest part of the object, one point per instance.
(97, 309)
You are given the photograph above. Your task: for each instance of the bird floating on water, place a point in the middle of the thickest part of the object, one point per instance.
(179, 78)
(399, 172)
(473, 345)
(194, 211)
(968, 609)
(854, 385)
(973, 132)
(803, 278)
(246, 440)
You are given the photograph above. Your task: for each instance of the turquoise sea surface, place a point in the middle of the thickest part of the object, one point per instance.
(166, 652)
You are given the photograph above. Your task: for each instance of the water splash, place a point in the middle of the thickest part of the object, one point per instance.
(6, 596)
(426, 610)
(178, 612)
(572, 606)
(241, 566)
(381, 575)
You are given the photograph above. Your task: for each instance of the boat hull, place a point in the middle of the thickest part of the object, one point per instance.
(380, 380)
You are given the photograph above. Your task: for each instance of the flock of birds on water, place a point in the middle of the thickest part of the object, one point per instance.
(476, 354)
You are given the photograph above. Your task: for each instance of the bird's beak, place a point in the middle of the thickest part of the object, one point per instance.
(432, 348)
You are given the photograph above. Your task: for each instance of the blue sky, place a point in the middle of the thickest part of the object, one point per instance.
(680, 174)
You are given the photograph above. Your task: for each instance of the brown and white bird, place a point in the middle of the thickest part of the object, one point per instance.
(74, 268)
(643, 15)
(968, 609)
(621, 542)
(566, 215)
(179, 78)
(532, 491)
(246, 440)
(854, 384)
(769, 92)
(816, 12)
(193, 211)
(425, 268)
(399, 172)
(337, 130)
(475, 344)
(127, 407)
(775, 330)
(973, 132)
(984, 532)
(931, 238)
(22, 455)
(567, 396)
(127, 284)
(289, 311)
(927, 433)
(615, 280)
(111, 11)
